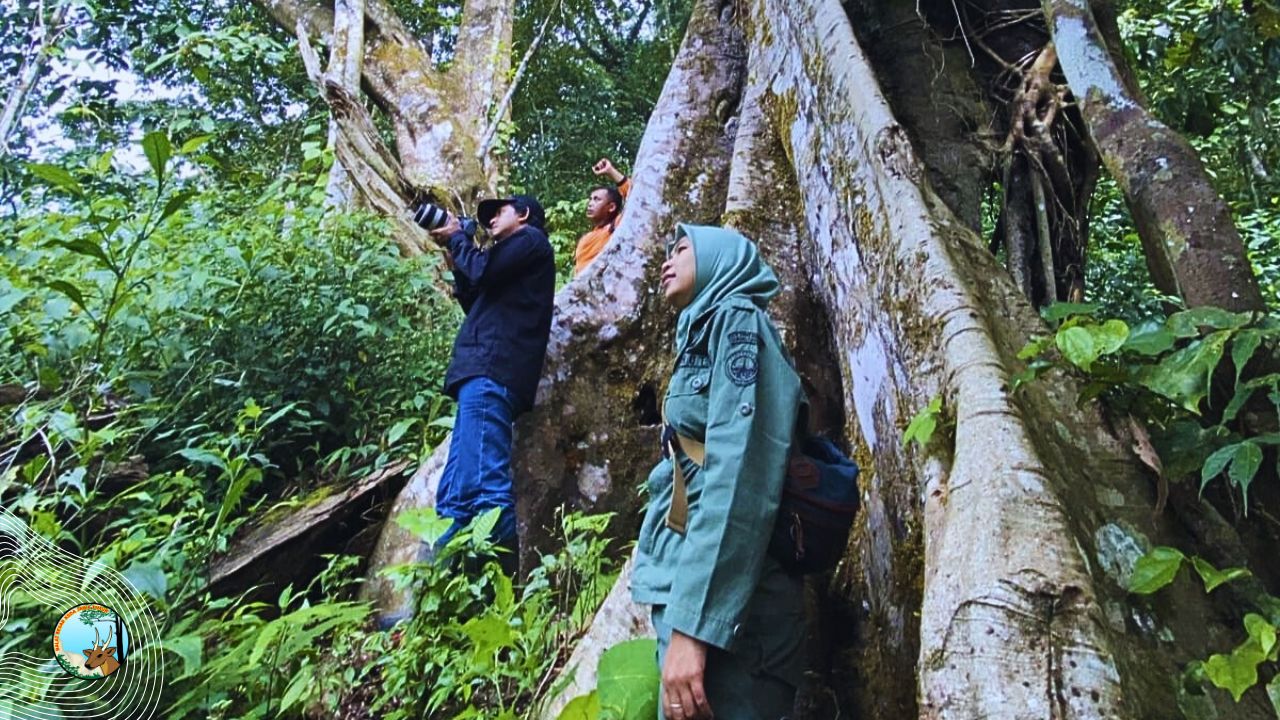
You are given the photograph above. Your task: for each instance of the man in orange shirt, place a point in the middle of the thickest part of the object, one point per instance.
(604, 210)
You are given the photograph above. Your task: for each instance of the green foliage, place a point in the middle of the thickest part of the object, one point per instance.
(1210, 72)
(1236, 671)
(1155, 570)
(629, 681)
(1164, 371)
(199, 342)
(923, 423)
(174, 299)
(588, 91)
(628, 685)
(186, 364)
(476, 648)
(1159, 567)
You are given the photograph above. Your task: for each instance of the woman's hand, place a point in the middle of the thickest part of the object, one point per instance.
(683, 697)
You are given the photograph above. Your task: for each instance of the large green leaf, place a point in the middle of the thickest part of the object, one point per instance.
(148, 578)
(188, 647)
(1188, 322)
(55, 176)
(158, 150)
(1214, 577)
(424, 524)
(88, 248)
(398, 430)
(248, 476)
(1244, 391)
(1149, 337)
(1062, 310)
(10, 297)
(1109, 336)
(1273, 692)
(1183, 376)
(1155, 570)
(203, 457)
(1243, 345)
(583, 707)
(1262, 631)
(66, 288)
(1077, 346)
(195, 143)
(1215, 464)
(176, 203)
(629, 681)
(1234, 673)
(1244, 466)
(488, 633)
(923, 424)
(302, 681)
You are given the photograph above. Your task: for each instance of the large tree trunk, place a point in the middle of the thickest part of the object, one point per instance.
(595, 427)
(985, 577)
(987, 572)
(437, 117)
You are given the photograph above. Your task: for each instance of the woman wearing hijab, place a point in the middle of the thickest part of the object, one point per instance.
(729, 619)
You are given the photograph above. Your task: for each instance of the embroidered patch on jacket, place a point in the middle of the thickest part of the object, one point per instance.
(742, 367)
(744, 338)
(693, 360)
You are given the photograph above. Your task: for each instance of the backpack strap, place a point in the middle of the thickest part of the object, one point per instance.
(678, 513)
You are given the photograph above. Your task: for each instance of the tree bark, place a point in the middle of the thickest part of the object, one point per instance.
(501, 112)
(436, 116)
(1193, 248)
(370, 166)
(346, 55)
(986, 575)
(594, 430)
(32, 65)
(992, 562)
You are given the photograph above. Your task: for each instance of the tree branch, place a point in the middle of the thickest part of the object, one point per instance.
(346, 55)
(487, 138)
(373, 170)
(483, 56)
(602, 34)
(395, 64)
(1192, 246)
(592, 52)
(639, 25)
(32, 65)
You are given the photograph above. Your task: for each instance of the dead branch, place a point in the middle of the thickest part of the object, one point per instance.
(487, 138)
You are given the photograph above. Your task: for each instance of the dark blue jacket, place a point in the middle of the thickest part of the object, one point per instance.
(508, 292)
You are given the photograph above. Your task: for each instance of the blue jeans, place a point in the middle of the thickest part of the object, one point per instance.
(477, 475)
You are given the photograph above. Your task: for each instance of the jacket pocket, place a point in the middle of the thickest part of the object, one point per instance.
(685, 404)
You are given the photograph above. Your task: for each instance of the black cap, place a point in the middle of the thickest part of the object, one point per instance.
(489, 208)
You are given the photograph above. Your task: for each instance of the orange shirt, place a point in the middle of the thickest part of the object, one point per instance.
(594, 240)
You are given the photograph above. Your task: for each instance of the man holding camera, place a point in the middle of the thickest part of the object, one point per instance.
(507, 291)
(604, 210)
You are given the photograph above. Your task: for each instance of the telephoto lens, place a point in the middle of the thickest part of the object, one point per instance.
(429, 216)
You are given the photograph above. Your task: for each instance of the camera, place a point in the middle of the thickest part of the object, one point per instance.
(430, 216)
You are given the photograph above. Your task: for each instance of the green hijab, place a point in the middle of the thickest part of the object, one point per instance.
(727, 264)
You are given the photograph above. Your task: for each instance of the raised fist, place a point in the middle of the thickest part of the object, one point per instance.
(604, 167)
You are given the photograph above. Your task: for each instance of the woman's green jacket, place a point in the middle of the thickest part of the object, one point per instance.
(734, 388)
